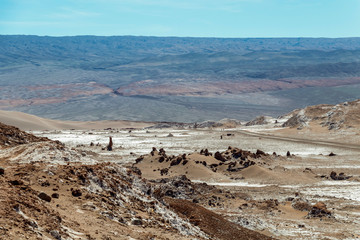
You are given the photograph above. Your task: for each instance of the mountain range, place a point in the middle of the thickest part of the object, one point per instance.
(174, 79)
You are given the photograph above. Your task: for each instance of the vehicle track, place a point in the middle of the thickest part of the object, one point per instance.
(355, 147)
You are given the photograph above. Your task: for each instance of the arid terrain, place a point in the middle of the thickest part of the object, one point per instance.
(175, 79)
(292, 177)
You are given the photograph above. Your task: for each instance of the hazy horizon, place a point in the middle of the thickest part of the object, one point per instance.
(154, 36)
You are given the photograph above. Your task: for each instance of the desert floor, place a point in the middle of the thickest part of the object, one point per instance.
(272, 191)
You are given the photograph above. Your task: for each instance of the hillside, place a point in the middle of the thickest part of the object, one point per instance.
(174, 79)
(333, 117)
(63, 198)
(178, 181)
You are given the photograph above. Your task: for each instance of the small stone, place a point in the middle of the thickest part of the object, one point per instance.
(45, 184)
(2, 171)
(55, 195)
(76, 193)
(137, 222)
(55, 234)
(16, 182)
(44, 197)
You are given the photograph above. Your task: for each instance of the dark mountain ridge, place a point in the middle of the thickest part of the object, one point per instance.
(202, 78)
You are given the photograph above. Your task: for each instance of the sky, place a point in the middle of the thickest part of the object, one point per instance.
(183, 18)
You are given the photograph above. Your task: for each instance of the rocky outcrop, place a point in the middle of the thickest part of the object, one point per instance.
(341, 176)
(12, 136)
(114, 194)
(227, 162)
(176, 187)
(261, 120)
(110, 145)
(298, 120)
(333, 117)
(319, 210)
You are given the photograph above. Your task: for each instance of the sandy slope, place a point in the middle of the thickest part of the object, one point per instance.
(26, 121)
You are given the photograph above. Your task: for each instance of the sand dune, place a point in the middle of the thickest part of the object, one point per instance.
(26, 121)
(260, 174)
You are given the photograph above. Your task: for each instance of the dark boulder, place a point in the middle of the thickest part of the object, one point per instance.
(219, 157)
(44, 196)
(76, 192)
(341, 176)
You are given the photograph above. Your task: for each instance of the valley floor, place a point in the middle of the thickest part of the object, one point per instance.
(273, 197)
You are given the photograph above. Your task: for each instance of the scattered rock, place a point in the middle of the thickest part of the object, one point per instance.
(55, 234)
(55, 195)
(288, 154)
(2, 171)
(332, 154)
(164, 171)
(175, 162)
(219, 157)
(44, 197)
(16, 182)
(76, 192)
(137, 222)
(46, 183)
(139, 159)
(319, 210)
(205, 152)
(341, 176)
(259, 152)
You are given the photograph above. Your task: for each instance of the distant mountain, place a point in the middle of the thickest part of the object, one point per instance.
(174, 79)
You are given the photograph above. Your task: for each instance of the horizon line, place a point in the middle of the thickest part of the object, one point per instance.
(153, 36)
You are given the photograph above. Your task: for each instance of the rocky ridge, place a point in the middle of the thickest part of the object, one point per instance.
(333, 117)
(12, 136)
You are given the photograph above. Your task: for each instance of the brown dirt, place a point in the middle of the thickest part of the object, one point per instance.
(88, 201)
(211, 223)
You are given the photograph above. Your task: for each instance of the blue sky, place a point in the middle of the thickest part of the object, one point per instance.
(194, 18)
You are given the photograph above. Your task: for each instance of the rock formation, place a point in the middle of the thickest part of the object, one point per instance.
(110, 145)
